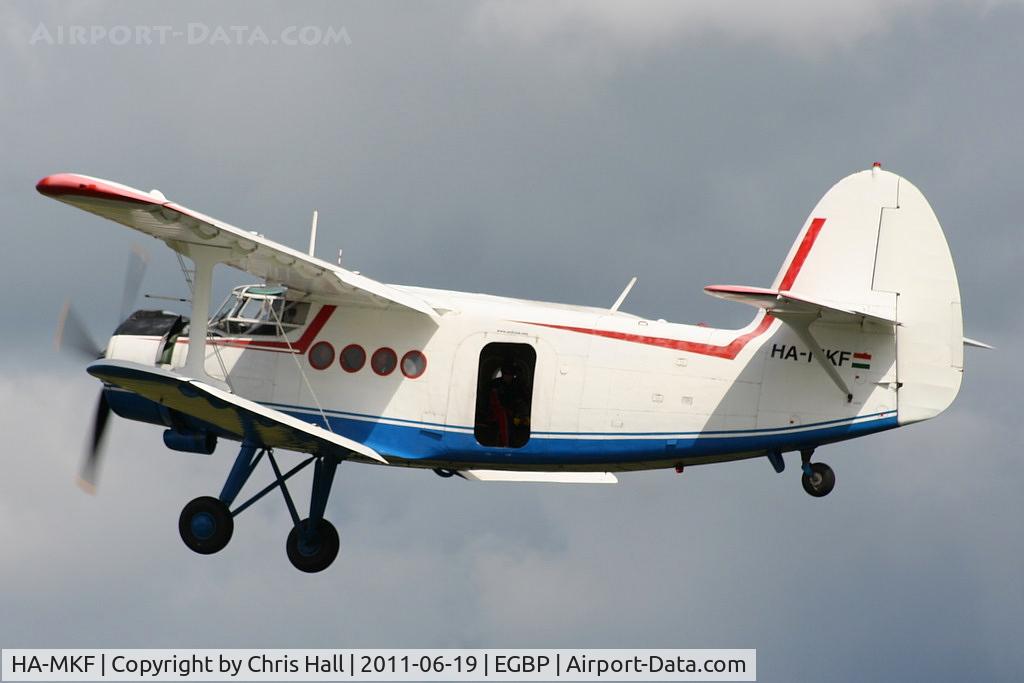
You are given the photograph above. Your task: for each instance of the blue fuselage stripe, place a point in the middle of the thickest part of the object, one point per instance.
(424, 443)
(411, 440)
(301, 410)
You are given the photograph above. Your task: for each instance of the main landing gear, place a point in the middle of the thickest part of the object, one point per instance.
(206, 523)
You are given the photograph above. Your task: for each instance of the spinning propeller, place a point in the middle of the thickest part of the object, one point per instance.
(74, 336)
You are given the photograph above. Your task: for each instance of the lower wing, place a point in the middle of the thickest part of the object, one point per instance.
(246, 419)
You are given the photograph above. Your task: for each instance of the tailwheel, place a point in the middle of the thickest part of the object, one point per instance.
(206, 525)
(312, 548)
(820, 480)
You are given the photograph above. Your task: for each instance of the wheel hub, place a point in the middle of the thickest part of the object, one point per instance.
(309, 544)
(203, 525)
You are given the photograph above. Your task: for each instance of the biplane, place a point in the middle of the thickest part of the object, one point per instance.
(860, 332)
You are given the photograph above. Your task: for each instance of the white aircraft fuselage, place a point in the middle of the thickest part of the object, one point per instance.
(610, 391)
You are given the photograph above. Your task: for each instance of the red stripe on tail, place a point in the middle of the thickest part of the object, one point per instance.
(801, 254)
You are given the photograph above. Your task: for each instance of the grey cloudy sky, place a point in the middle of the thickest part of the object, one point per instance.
(551, 151)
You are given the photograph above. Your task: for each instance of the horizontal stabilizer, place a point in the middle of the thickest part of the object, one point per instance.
(548, 477)
(783, 304)
(799, 312)
(247, 420)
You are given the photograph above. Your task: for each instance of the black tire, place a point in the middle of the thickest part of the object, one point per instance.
(821, 482)
(443, 473)
(315, 553)
(206, 525)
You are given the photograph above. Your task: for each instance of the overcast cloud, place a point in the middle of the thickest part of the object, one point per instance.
(550, 151)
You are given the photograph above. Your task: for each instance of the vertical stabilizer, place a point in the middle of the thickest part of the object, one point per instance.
(873, 245)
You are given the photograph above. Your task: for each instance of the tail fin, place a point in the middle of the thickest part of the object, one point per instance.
(833, 258)
(873, 250)
(873, 244)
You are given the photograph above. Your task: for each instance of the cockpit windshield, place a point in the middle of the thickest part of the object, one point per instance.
(258, 310)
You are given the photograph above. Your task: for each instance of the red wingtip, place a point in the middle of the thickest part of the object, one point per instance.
(60, 184)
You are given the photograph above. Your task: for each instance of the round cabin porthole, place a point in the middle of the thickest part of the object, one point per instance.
(414, 364)
(321, 355)
(352, 358)
(384, 361)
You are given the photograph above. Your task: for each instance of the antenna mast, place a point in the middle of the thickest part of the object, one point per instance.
(312, 235)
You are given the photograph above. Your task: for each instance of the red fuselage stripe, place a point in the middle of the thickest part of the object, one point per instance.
(801, 254)
(300, 346)
(732, 349)
(728, 351)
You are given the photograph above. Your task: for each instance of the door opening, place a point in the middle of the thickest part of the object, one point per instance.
(504, 394)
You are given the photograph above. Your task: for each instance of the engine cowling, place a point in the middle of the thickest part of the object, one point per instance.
(203, 443)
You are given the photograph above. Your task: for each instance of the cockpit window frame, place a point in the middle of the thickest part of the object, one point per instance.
(232, 318)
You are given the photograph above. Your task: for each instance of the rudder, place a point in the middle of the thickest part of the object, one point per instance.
(913, 261)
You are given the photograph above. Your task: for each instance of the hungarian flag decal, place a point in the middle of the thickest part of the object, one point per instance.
(862, 361)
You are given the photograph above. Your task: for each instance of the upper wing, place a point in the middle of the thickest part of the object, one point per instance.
(246, 419)
(178, 226)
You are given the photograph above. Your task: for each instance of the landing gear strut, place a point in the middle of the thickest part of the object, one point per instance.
(206, 523)
(313, 542)
(818, 478)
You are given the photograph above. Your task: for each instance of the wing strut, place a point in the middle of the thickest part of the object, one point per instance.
(309, 386)
(802, 327)
(204, 258)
